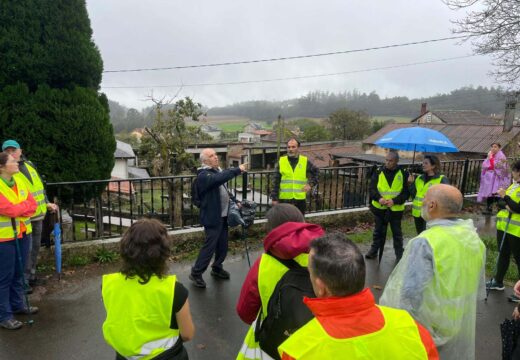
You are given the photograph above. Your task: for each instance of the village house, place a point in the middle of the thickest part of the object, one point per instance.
(251, 127)
(470, 131)
(211, 130)
(125, 166)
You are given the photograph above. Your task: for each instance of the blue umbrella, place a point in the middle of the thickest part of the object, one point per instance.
(57, 248)
(417, 139)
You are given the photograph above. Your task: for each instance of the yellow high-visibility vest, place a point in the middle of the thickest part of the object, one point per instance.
(389, 192)
(422, 188)
(37, 190)
(270, 271)
(293, 181)
(139, 316)
(6, 226)
(399, 339)
(502, 217)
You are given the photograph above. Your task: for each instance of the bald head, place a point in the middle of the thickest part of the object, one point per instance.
(442, 201)
(209, 157)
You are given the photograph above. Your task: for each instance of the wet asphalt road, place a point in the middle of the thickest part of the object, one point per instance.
(69, 324)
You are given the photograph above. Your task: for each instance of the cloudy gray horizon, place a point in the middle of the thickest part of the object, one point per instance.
(135, 34)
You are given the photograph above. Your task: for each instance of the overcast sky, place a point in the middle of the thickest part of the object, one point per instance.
(134, 34)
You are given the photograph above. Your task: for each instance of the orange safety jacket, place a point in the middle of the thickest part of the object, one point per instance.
(355, 316)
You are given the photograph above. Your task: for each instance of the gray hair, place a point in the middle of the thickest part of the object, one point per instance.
(338, 262)
(203, 155)
(282, 213)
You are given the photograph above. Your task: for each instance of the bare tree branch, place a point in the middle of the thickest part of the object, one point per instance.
(493, 29)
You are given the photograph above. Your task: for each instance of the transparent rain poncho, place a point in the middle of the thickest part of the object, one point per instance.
(439, 280)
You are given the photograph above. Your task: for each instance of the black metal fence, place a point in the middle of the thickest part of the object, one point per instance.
(118, 203)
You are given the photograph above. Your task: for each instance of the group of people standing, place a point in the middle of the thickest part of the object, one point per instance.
(427, 309)
(23, 205)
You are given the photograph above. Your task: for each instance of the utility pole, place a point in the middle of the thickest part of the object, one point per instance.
(279, 135)
(509, 115)
(509, 118)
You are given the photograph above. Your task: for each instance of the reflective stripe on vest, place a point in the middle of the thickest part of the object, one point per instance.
(422, 188)
(250, 349)
(37, 190)
(389, 192)
(292, 181)
(502, 217)
(398, 339)
(270, 271)
(6, 227)
(139, 316)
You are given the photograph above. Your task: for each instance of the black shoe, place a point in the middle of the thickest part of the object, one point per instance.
(372, 254)
(495, 285)
(27, 310)
(513, 298)
(37, 282)
(11, 324)
(220, 274)
(198, 281)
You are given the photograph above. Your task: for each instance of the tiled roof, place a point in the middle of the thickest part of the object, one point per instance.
(467, 138)
(320, 156)
(371, 158)
(462, 117)
(137, 173)
(123, 151)
(262, 132)
(208, 127)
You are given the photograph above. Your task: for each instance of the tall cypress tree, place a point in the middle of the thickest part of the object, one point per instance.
(50, 71)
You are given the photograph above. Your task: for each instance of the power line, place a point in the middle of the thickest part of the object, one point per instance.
(286, 57)
(289, 78)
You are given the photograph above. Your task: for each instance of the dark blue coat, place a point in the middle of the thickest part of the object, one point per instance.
(208, 182)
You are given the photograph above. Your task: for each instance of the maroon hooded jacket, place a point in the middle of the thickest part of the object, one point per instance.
(285, 242)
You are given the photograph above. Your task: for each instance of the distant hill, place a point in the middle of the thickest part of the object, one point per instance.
(320, 104)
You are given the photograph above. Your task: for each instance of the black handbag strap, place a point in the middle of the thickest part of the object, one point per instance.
(289, 263)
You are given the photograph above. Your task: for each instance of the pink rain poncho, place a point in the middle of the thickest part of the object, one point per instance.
(495, 175)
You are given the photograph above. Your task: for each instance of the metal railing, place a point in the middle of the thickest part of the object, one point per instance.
(106, 208)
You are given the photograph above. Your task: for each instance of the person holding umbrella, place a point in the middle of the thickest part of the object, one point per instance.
(17, 205)
(508, 231)
(431, 175)
(388, 193)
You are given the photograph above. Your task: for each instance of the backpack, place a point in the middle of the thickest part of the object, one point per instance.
(286, 311)
(195, 198)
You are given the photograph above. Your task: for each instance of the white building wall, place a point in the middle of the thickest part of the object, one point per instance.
(120, 169)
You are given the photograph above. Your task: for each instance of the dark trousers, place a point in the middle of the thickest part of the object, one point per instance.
(34, 249)
(216, 243)
(300, 204)
(11, 283)
(511, 245)
(382, 219)
(420, 224)
(489, 202)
